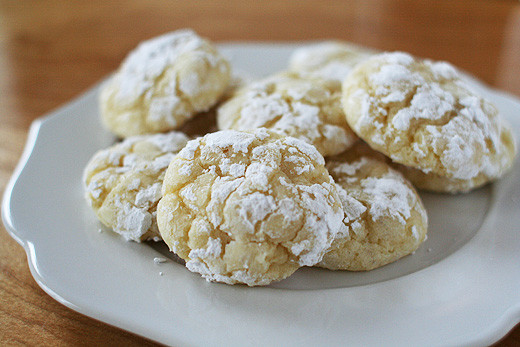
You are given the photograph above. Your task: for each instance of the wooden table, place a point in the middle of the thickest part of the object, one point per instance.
(51, 51)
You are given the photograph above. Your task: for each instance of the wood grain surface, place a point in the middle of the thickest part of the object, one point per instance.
(51, 51)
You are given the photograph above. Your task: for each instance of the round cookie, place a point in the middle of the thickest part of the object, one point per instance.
(384, 216)
(289, 104)
(424, 115)
(123, 183)
(161, 84)
(331, 60)
(248, 207)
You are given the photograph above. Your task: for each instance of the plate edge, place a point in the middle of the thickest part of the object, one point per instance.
(30, 143)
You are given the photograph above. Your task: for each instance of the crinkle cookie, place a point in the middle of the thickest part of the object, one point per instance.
(164, 82)
(306, 108)
(248, 207)
(331, 60)
(384, 216)
(424, 115)
(123, 183)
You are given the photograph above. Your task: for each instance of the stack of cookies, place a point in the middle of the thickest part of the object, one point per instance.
(313, 166)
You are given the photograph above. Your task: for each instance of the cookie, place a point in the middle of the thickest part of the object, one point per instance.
(161, 84)
(426, 116)
(123, 183)
(287, 103)
(248, 207)
(384, 218)
(331, 60)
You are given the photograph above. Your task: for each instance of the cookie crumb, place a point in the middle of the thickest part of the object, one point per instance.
(159, 260)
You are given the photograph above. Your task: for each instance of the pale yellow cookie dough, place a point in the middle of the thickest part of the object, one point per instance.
(441, 184)
(305, 108)
(424, 115)
(123, 183)
(331, 60)
(248, 207)
(161, 84)
(384, 216)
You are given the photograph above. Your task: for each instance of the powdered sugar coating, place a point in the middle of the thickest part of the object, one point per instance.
(331, 60)
(384, 218)
(162, 83)
(257, 217)
(430, 181)
(424, 115)
(123, 183)
(441, 184)
(287, 103)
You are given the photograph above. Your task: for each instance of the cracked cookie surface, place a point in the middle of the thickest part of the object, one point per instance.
(287, 103)
(161, 84)
(248, 207)
(424, 115)
(384, 218)
(123, 183)
(425, 181)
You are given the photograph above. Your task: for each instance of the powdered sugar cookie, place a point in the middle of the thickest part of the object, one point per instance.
(163, 83)
(123, 183)
(331, 60)
(248, 207)
(384, 216)
(306, 108)
(424, 115)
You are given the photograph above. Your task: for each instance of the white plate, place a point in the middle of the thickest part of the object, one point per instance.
(462, 287)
